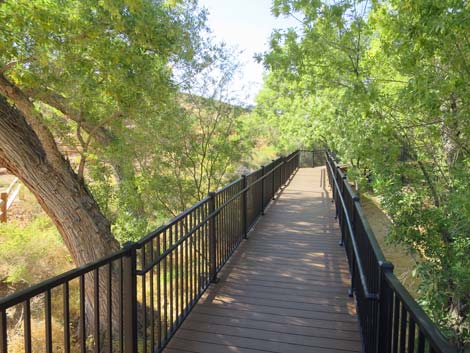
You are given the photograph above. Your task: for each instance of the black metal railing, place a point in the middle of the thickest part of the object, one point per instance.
(390, 319)
(135, 300)
(312, 158)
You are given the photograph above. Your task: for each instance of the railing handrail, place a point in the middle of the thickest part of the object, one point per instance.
(27, 293)
(172, 221)
(46, 286)
(430, 330)
(207, 218)
(362, 275)
(370, 234)
(419, 315)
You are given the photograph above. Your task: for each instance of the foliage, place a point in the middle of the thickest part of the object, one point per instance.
(385, 84)
(120, 81)
(204, 148)
(31, 253)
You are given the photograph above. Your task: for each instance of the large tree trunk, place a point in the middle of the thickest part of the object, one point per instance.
(86, 232)
(64, 198)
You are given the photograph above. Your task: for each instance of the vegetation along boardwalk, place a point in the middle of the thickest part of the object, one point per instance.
(285, 289)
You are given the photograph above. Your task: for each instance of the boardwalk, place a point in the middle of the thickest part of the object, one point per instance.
(285, 290)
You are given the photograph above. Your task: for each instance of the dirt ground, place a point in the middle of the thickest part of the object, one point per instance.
(380, 225)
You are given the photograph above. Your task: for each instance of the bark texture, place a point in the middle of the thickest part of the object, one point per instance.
(85, 230)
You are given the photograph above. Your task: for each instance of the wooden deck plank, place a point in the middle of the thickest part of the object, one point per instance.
(254, 343)
(309, 299)
(275, 327)
(306, 340)
(279, 319)
(285, 288)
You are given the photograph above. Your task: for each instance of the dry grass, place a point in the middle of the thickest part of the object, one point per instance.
(5, 180)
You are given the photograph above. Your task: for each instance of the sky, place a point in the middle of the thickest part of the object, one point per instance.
(247, 25)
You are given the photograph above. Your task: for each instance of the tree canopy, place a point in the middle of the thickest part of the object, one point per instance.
(385, 84)
(119, 82)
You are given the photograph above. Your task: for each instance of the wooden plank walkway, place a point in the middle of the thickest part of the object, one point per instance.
(285, 289)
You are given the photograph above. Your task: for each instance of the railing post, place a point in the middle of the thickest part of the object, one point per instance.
(262, 190)
(212, 238)
(245, 207)
(129, 281)
(273, 171)
(283, 170)
(384, 314)
(353, 225)
(3, 208)
(352, 214)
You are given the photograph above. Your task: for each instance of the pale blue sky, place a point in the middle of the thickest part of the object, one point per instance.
(246, 24)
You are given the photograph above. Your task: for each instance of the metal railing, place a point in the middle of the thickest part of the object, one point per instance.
(135, 300)
(312, 158)
(390, 319)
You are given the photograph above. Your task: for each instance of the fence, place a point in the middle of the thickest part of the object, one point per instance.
(312, 158)
(390, 319)
(7, 197)
(135, 299)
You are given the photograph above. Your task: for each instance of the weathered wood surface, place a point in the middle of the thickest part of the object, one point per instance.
(285, 289)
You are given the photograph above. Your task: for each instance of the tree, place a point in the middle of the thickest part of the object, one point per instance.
(385, 86)
(99, 68)
(201, 152)
(84, 73)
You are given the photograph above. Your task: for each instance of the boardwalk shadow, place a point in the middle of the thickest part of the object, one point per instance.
(285, 289)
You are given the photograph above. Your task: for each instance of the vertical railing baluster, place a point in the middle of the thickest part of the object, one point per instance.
(109, 306)
(396, 323)
(96, 293)
(186, 244)
(212, 238)
(82, 315)
(384, 320)
(27, 326)
(273, 174)
(205, 245)
(159, 293)
(130, 299)
(245, 206)
(262, 190)
(66, 294)
(3, 332)
(48, 320)
(181, 274)
(411, 335)
(421, 342)
(121, 305)
(176, 272)
(162, 305)
(173, 297)
(154, 253)
(143, 279)
(403, 320)
(189, 260)
(198, 250)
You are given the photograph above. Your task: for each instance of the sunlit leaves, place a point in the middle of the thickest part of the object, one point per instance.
(385, 84)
